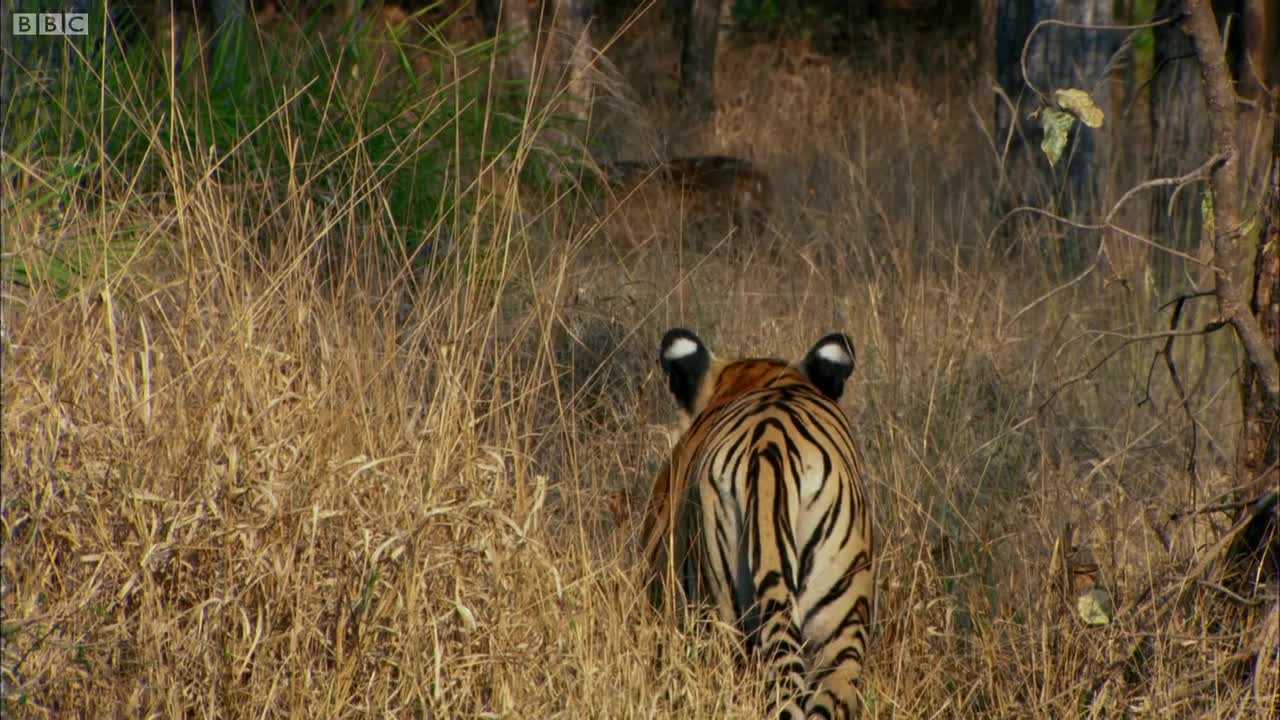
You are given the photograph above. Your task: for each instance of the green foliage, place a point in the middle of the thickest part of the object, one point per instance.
(1144, 40)
(788, 16)
(757, 14)
(1057, 128)
(369, 123)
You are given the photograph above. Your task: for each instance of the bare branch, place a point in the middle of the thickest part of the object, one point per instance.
(1167, 352)
(1163, 334)
(1124, 232)
(1248, 602)
(1065, 286)
(1128, 340)
(1180, 182)
(1187, 296)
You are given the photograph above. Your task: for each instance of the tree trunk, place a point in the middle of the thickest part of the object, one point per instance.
(7, 57)
(986, 45)
(1012, 22)
(724, 26)
(697, 24)
(1252, 315)
(1178, 123)
(1259, 449)
(571, 52)
(1257, 70)
(1057, 58)
(514, 21)
(487, 11)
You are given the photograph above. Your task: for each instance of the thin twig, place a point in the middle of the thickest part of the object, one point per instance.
(1140, 91)
(1187, 296)
(1181, 181)
(1167, 351)
(1075, 26)
(1095, 227)
(1128, 340)
(1065, 286)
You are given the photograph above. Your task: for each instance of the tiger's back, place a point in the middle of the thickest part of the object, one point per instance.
(761, 514)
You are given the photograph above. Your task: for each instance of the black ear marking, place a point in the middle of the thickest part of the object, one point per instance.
(829, 364)
(685, 360)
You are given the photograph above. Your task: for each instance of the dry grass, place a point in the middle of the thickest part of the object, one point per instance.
(237, 486)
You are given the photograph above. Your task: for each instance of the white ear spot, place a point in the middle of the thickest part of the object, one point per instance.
(834, 352)
(680, 348)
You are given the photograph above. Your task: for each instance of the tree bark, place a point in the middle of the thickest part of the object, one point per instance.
(514, 21)
(1012, 23)
(570, 51)
(697, 23)
(1057, 57)
(986, 44)
(7, 58)
(1230, 252)
(1176, 124)
(487, 11)
(1257, 70)
(573, 51)
(1259, 449)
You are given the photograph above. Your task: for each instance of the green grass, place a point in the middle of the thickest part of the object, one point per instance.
(375, 126)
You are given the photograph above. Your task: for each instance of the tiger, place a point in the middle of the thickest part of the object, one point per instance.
(761, 513)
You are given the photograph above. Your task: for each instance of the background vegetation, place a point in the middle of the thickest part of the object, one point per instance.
(324, 397)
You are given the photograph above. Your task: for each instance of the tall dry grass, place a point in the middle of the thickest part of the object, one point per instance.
(297, 483)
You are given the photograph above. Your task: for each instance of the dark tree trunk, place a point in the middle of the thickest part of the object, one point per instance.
(986, 45)
(1179, 129)
(510, 17)
(7, 61)
(487, 11)
(697, 27)
(1057, 58)
(1013, 21)
(515, 20)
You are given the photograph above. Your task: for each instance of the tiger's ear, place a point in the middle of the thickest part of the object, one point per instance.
(685, 360)
(829, 364)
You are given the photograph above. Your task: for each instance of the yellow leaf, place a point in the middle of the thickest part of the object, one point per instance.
(1081, 105)
(1095, 607)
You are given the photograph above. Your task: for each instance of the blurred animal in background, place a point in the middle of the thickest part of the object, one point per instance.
(703, 188)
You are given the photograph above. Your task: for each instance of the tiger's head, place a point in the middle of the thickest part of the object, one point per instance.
(701, 384)
(698, 380)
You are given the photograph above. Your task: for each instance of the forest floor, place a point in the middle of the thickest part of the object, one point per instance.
(245, 484)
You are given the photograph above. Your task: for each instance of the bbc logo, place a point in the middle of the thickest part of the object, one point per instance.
(50, 24)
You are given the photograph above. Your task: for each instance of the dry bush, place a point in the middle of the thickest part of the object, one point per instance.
(237, 486)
